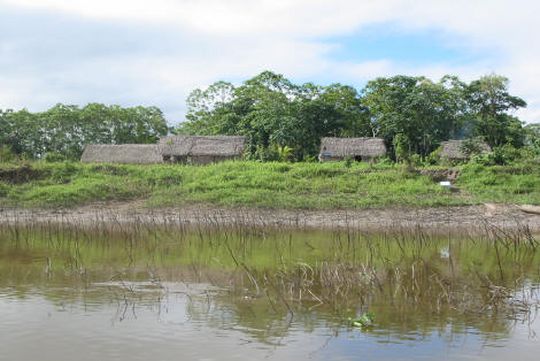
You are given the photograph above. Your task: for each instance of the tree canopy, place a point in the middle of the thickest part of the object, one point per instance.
(65, 129)
(413, 114)
(273, 112)
(284, 120)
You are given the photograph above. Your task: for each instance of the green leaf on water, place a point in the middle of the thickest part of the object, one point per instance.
(364, 321)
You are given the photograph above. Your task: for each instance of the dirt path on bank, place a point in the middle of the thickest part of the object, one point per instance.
(440, 219)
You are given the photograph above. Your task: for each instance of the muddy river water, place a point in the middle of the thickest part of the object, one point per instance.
(157, 293)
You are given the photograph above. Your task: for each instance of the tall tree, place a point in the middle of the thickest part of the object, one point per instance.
(65, 129)
(491, 105)
(272, 112)
(532, 136)
(421, 112)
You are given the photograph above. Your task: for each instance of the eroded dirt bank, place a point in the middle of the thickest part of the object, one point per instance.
(441, 219)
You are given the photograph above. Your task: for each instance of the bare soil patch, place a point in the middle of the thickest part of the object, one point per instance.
(457, 219)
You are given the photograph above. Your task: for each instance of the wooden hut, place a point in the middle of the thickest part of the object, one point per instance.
(359, 149)
(456, 150)
(125, 153)
(201, 149)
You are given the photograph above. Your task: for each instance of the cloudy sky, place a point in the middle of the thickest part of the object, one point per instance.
(133, 52)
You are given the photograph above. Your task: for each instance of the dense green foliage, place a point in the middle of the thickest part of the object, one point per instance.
(412, 114)
(532, 137)
(256, 184)
(62, 131)
(273, 112)
(285, 121)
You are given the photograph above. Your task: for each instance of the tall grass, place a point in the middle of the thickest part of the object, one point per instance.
(339, 270)
(253, 184)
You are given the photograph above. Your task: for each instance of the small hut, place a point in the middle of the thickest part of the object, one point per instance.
(457, 150)
(359, 149)
(201, 149)
(125, 153)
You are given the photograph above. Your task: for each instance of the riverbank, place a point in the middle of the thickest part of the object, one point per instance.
(452, 219)
(248, 184)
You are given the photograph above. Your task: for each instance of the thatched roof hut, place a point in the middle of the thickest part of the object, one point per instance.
(457, 149)
(333, 149)
(125, 153)
(202, 149)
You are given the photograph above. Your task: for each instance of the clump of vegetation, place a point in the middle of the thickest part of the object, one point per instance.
(285, 121)
(366, 320)
(61, 132)
(6, 155)
(401, 272)
(412, 114)
(512, 183)
(271, 184)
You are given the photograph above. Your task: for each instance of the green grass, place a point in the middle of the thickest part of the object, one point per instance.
(254, 184)
(502, 184)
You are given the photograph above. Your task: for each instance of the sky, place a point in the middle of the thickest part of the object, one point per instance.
(135, 52)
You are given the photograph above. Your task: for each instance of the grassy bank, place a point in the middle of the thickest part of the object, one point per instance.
(253, 184)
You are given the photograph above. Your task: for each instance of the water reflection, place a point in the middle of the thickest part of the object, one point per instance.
(79, 294)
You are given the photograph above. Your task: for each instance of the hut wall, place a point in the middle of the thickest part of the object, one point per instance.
(452, 150)
(207, 159)
(358, 149)
(201, 149)
(199, 159)
(335, 158)
(125, 153)
(330, 158)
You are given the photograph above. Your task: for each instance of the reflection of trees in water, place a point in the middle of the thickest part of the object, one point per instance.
(394, 319)
(269, 322)
(417, 285)
(414, 296)
(252, 318)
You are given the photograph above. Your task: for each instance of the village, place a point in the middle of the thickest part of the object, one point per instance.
(210, 149)
(269, 180)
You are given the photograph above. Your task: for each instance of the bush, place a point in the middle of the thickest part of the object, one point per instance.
(348, 162)
(434, 157)
(62, 173)
(416, 160)
(311, 159)
(503, 155)
(54, 157)
(4, 189)
(385, 162)
(6, 155)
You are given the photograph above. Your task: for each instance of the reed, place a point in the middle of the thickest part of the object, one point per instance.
(291, 270)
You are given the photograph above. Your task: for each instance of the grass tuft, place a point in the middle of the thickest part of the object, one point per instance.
(255, 184)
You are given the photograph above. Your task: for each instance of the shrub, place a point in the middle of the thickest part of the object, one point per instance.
(434, 157)
(348, 162)
(54, 157)
(63, 173)
(416, 160)
(6, 155)
(4, 189)
(503, 155)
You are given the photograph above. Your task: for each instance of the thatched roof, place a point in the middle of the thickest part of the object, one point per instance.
(454, 149)
(184, 145)
(125, 153)
(352, 147)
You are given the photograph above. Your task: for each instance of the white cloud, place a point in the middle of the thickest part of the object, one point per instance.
(238, 38)
(299, 17)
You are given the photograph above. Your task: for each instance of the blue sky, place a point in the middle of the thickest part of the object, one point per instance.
(133, 52)
(420, 47)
